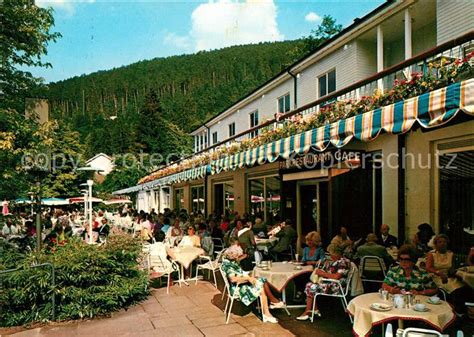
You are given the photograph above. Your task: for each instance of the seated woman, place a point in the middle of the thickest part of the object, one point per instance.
(250, 288)
(336, 268)
(313, 253)
(440, 264)
(407, 276)
(191, 239)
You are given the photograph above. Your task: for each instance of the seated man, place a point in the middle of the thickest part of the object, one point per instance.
(385, 239)
(372, 248)
(407, 277)
(286, 235)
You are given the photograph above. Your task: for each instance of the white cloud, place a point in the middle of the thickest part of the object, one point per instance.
(66, 6)
(181, 42)
(312, 17)
(224, 23)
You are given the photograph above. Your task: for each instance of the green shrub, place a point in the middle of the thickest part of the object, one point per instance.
(90, 281)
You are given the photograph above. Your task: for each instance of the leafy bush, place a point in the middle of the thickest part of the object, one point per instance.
(90, 281)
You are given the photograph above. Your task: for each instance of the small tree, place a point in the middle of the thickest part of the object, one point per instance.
(326, 30)
(24, 37)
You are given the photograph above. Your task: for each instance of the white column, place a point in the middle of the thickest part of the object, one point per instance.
(408, 51)
(408, 45)
(379, 55)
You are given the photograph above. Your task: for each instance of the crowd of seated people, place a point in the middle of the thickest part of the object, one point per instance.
(235, 230)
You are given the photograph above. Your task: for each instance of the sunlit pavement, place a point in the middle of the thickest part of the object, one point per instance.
(186, 311)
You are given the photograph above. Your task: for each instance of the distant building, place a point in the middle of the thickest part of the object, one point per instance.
(37, 108)
(102, 162)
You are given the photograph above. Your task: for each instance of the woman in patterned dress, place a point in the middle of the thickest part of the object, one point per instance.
(407, 277)
(249, 288)
(336, 268)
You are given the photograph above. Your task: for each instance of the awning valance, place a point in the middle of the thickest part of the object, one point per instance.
(429, 110)
(186, 175)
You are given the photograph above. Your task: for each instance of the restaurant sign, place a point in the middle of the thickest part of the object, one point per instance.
(323, 160)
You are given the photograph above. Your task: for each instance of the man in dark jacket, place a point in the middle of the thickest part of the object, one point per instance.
(385, 239)
(286, 236)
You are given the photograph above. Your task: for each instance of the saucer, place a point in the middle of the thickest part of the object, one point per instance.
(424, 310)
(380, 307)
(434, 303)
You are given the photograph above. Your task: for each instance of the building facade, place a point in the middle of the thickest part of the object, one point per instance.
(402, 164)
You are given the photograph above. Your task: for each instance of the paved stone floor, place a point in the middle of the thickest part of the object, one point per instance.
(186, 311)
(197, 311)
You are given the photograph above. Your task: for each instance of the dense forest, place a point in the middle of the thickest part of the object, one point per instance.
(106, 106)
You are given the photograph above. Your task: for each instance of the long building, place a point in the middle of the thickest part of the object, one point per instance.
(311, 145)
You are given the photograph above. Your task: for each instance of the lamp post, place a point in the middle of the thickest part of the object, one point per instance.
(85, 194)
(89, 183)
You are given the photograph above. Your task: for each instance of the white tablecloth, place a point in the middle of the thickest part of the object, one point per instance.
(185, 255)
(438, 316)
(281, 273)
(265, 244)
(467, 275)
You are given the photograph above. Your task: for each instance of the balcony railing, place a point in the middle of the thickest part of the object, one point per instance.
(384, 81)
(455, 49)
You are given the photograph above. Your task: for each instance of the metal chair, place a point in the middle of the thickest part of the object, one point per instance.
(159, 263)
(371, 264)
(417, 332)
(342, 293)
(218, 244)
(210, 265)
(230, 297)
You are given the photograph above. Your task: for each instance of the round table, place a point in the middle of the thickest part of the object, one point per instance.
(279, 275)
(184, 256)
(439, 316)
(265, 244)
(467, 275)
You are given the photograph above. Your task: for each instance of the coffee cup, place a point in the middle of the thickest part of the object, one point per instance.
(420, 306)
(435, 299)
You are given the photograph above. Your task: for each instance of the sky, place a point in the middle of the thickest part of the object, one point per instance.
(101, 34)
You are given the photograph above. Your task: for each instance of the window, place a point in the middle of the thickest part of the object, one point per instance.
(327, 83)
(224, 198)
(214, 137)
(284, 103)
(253, 123)
(264, 198)
(197, 194)
(232, 129)
(455, 191)
(205, 141)
(178, 199)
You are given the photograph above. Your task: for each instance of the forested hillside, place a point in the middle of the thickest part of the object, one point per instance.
(190, 89)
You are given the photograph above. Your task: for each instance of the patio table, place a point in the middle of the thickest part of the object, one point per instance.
(467, 275)
(184, 256)
(265, 244)
(438, 316)
(279, 275)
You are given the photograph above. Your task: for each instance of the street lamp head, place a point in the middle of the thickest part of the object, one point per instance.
(90, 182)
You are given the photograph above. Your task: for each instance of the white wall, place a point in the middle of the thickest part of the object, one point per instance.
(103, 163)
(344, 60)
(454, 18)
(267, 106)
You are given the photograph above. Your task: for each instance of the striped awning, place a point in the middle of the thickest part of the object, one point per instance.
(430, 110)
(186, 175)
